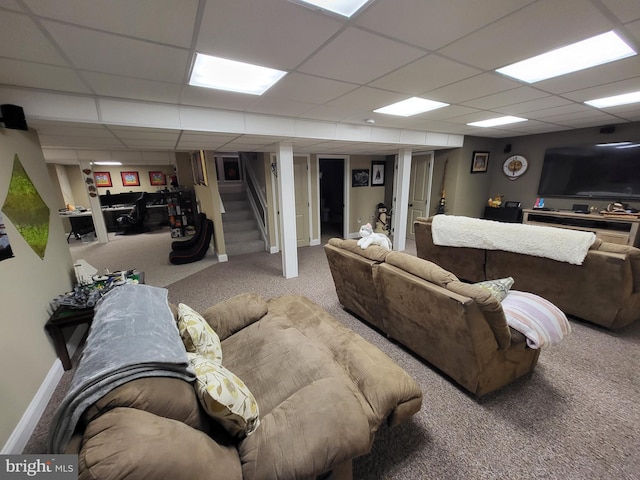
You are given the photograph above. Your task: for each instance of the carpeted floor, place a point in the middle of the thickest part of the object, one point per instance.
(576, 417)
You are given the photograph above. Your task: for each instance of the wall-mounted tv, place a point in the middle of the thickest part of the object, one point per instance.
(606, 171)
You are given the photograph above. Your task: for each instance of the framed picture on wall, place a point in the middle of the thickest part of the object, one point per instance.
(377, 173)
(479, 162)
(360, 177)
(199, 168)
(102, 179)
(130, 179)
(157, 178)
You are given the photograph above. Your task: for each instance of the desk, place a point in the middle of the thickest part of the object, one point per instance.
(65, 316)
(81, 223)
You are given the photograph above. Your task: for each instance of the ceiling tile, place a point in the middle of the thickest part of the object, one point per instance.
(134, 88)
(20, 38)
(360, 57)
(279, 106)
(271, 33)
(471, 88)
(92, 50)
(535, 29)
(308, 89)
(427, 73)
(171, 21)
(38, 75)
(508, 97)
(208, 97)
(433, 24)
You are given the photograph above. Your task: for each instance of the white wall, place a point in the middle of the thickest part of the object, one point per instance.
(27, 286)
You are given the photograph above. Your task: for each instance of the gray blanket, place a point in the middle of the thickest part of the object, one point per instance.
(133, 335)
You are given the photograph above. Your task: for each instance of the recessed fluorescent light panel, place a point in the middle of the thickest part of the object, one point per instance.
(494, 122)
(593, 51)
(106, 163)
(232, 76)
(616, 100)
(346, 8)
(411, 106)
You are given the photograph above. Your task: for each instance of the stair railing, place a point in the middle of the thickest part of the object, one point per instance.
(256, 199)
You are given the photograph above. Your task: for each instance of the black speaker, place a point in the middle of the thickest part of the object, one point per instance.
(608, 129)
(507, 148)
(13, 117)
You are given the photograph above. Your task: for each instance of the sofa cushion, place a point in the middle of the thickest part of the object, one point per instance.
(150, 394)
(499, 288)
(197, 335)
(373, 252)
(225, 397)
(235, 313)
(490, 307)
(138, 445)
(421, 268)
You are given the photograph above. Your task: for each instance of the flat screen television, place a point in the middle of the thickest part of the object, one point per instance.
(605, 171)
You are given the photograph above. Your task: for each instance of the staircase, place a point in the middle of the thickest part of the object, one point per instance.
(241, 233)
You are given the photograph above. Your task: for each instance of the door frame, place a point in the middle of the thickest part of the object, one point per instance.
(345, 184)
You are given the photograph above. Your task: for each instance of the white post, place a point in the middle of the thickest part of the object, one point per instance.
(400, 211)
(94, 204)
(287, 202)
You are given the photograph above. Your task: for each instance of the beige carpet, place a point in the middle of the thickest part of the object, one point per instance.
(147, 252)
(576, 417)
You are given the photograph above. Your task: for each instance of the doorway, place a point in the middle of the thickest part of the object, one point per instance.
(419, 190)
(332, 200)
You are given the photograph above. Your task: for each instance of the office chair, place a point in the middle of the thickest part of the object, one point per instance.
(133, 222)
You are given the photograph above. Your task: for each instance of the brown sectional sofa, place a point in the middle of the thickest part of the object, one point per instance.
(456, 327)
(604, 290)
(322, 390)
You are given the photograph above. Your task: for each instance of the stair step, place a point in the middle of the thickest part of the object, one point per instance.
(239, 225)
(237, 216)
(236, 205)
(241, 236)
(242, 248)
(233, 196)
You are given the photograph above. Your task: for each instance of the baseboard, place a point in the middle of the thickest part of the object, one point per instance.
(274, 249)
(27, 424)
(314, 242)
(223, 257)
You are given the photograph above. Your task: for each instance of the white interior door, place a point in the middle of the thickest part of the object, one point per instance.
(301, 177)
(419, 190)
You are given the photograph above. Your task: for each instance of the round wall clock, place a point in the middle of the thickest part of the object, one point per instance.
(514, 166)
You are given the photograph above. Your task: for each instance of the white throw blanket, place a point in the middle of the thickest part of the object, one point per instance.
(559, 244)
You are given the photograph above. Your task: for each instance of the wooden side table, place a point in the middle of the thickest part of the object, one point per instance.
(65, 316)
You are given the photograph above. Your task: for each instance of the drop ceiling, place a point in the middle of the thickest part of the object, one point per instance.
(109, 78)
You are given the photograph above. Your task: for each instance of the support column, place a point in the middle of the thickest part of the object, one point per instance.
(287, 202)
(400, 209)
(94, 205)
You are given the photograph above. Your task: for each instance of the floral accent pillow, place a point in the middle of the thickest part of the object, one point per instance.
(499, 288)
(197, 335)
(225, 397)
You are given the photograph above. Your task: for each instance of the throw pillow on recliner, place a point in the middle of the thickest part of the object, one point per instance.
(499, 288)
(197, 335)
(225, 397)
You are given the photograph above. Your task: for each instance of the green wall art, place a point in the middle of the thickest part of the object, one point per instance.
(26, 209)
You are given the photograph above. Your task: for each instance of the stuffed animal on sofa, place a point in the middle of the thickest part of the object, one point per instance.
(370, 238)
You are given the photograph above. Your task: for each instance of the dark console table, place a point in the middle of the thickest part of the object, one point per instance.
(503, 214)
(66, 316)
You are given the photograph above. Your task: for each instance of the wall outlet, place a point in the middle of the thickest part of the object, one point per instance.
(359, 220)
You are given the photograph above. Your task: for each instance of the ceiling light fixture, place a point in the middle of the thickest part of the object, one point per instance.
(232, 76)
(411, 106)
(346, 8)
(106, 163)
(616, 100)
(593, 51)
(494, 122)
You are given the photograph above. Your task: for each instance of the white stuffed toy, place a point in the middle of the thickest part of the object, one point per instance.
(370, 238)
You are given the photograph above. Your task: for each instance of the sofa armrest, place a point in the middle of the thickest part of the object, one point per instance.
(235, 313)
(632, 254)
